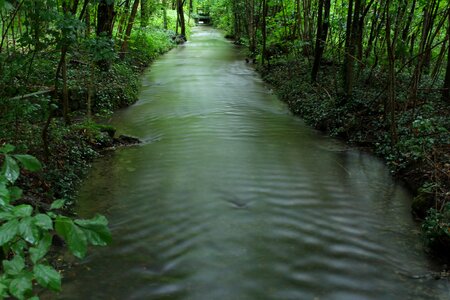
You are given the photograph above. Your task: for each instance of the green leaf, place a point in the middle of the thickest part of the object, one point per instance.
(38, 252)
(18, 247)
(14, 266)
(47, 277)
(4, 194)
(43, 221)
(6, 215)
(3, 290)
(96, 230)
(8, 231)
(10, 169)
(15, 193)
(23, 210)
(5, 149)
(29, 162)
(20, 286)
(28, 230)
(74, 236)
(57, 204)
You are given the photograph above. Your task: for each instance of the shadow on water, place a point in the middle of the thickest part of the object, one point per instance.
(231, 197)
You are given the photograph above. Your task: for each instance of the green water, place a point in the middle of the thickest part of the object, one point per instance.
(232, 197)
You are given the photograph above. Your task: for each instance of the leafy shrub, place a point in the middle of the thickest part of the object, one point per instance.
(26, 234)
(436, 229)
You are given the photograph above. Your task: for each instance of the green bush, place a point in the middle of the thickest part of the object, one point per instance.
(436, 229)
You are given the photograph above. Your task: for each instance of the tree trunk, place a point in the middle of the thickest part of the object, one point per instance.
(180, 10)
(164, 4)
(62, 66)
(446, 91)
(390, 105)
(264, 32)
(105, 18)
(124, 47)
(321, 38)
(348, 61)
(122, 19)
(144, 13)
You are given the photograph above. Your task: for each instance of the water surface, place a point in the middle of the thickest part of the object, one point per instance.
(232, 197)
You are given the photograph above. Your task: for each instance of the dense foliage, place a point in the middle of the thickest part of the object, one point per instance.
(65, 65)
(374, 72)
(26, 233)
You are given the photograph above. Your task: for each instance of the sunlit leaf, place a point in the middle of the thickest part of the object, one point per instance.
(10, 169)
(28, 230)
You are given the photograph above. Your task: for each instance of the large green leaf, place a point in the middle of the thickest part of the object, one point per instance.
(4, 194)
(47, 277)
(14, 266)
(43, 221)
(28, 230)
(8, 231)
(73, 235)
(96, 230)
(29, 162)
(10, 169)
(38, 252)
(23, 210)
(20, 286)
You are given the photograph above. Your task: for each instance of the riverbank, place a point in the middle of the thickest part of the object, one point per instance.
(421, 156)
(67, 149)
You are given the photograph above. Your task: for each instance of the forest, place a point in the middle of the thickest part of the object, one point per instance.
(373, 73)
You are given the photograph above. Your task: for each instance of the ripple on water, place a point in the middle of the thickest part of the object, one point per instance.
(233, 198)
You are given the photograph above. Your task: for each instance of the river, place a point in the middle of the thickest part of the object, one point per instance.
(231, 197)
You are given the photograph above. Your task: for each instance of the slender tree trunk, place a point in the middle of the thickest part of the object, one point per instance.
(446, 91)
(348, 61)
(390, 44)
(144, 13)
(181, 18)
(264, 32)
(164, 4)
(62, 66)
(105, 18)
(124, 47)
(122, 19)
(321, 38)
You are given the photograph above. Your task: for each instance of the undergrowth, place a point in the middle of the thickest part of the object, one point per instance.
(420, 157)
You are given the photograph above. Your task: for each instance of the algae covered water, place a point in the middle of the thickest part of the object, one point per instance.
(232, 197)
